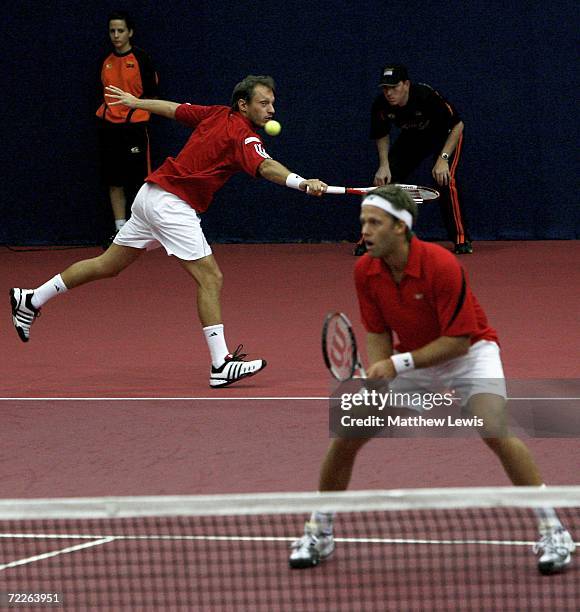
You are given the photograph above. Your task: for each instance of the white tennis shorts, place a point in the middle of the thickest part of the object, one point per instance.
(159, 218)
(480, 371)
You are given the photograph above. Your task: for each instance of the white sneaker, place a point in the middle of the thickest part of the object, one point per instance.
(23, 312)
(234, 368)
(555, 549)
(312, 548)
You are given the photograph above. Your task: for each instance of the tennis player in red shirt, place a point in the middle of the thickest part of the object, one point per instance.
(167, 208)
(418, 293)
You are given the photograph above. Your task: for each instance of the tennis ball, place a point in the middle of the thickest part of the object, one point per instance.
(273, 128)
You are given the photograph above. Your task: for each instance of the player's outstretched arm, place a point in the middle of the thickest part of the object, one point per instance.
(275, 172)
(117, 96)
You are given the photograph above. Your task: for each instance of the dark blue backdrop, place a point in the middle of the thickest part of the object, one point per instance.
(510, 68)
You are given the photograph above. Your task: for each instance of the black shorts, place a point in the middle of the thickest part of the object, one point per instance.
(124, 153)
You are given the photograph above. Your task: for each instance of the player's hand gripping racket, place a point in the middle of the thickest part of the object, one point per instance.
(418, 193)
(339, 348)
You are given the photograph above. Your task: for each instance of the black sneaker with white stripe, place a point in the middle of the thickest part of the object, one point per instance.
(235, 368)
(23, 312)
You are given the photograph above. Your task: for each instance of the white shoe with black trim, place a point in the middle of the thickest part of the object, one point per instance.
(235, 368)
(555, 549)
(23, 312)
(312, 548)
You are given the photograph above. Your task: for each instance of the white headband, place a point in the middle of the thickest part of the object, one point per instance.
(384, 204)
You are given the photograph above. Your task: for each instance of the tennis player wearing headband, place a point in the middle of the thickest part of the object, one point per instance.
(419, 292)
(167, 209)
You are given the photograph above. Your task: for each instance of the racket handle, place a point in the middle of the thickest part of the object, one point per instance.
(331, 189)
(352, 190)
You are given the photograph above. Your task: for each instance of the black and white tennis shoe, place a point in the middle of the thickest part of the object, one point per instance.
(23, 312)
(234, 368)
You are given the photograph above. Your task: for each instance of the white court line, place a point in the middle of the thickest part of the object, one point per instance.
(158, 399)
(209, 538)
(232, 399)
(55, 553)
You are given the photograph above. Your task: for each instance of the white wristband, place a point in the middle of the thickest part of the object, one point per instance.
(403, 362)
(293, 181)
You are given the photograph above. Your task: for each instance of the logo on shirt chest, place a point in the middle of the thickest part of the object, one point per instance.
(130, 64)
(416, 123)
(419, 296)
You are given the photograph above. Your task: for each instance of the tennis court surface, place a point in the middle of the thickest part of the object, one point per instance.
(452, 549)
(167, 434)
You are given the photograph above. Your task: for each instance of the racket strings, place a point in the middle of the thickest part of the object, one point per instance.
(339, 346)
(418, 194)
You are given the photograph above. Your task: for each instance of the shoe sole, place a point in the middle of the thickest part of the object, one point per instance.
(227, 383)
(14, 304)
(306, 563)
(547, 569)
(303, 563)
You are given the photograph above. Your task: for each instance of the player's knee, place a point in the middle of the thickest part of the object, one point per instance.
(212, 280)
(494, 428)
(219, 278)
(105, 268)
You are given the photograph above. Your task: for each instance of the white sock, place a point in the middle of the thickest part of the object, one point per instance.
(119, 223)
(216, 342)
(324, 521)
(548, 520)
(49, 290)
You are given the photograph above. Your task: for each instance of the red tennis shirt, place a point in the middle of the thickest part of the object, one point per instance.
(223, 143)
(432, 300)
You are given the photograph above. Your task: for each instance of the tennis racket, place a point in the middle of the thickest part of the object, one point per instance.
(339, 348)
(418, 193)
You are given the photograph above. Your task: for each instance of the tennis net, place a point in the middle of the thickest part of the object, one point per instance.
(417, 549)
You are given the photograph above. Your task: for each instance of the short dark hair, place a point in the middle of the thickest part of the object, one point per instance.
(122, 16)
(244, 90)
(400, 199)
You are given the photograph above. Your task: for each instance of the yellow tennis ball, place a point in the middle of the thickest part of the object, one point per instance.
(272, 128)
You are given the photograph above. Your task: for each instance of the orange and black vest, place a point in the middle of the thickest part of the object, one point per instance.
(132, 72)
